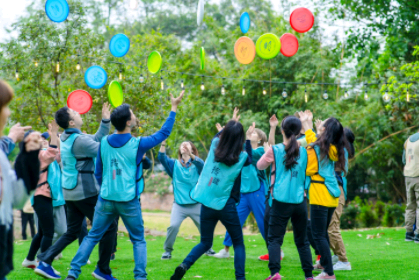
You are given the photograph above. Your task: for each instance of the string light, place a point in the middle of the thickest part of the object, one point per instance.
(386, 97)
(161, 83)
(17, 75)
(57, 68)
(243, 91)
(325, 95)
(120, 75)
(407, 95)
(346, 95)
(202, 84)
(366, 97)
(223, 90)
(305, 96)
(182, 86)
(141, 78)
(264, 91)
(36, 63)
(78, 66)
(284, 93)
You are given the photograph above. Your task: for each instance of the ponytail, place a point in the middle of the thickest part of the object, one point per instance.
(292, 150)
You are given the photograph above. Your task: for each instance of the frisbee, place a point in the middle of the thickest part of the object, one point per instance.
(268, 46)
(115, 94)
(57, 10)
(301, 20)
(200, 12)
(202, 58)
(119, 45)
(80, 101)
(244, 50)
(154, 62)
(289, 44)
(95, 77)
(244, 22)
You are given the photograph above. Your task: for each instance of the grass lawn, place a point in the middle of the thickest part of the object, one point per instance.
(388, 257)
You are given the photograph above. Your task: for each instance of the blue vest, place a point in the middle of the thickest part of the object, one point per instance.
(184, 179)
(140, 180)
(249, 180)
(217, 180)
(344, 180)
(69, 172)
(119, 177)
(289, 184)
(327, 172)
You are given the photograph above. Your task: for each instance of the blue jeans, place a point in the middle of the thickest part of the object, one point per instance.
(230, 219)
(105, 214)
(250, 202)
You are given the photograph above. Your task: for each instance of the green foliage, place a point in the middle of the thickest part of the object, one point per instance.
(158, 183)
(380, 208)
(349, 216)
(394, 215)
(367, 216)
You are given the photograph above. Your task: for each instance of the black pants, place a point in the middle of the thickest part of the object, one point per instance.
(280, 214)
(116, 234)
(84, 232)
(6, 250)
(27, 218)
(45, 234)
(266, 219)
(77, 213)
(320, 221)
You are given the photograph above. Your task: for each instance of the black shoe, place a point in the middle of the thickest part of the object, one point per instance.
(179, 272)
(410, 236)
(113, 257)
(210, 252)
(70, 278)
(417, 238)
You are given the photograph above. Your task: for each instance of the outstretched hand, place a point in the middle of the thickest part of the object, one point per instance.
(236, 117)
(250, 131)
(33, 142)
(303, 116)
(219, 127)
(106, 111)
(273, 121)
(176, 101)
(266, 146)
(318, 124)
(17, 132)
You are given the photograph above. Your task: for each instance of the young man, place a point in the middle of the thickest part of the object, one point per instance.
(80, 189)
(119, 173)
(411, 173)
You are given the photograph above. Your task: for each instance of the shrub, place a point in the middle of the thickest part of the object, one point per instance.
(394, 215)
(349, 215)
(380, 209)
(158, 183)
(367, 216)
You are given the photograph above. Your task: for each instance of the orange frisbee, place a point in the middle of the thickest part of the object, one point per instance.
(245, 50)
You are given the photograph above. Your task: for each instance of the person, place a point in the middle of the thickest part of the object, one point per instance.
(340, 259)
(26, 215)
(80, 189)
(15, 185)
(218, 190)
(289, 162)
(325, 155)
(184, 171)
(411, 174)
(42, 200)
(253, 188)
(119, 173)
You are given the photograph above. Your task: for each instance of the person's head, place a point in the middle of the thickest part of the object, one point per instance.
(185, 147)
(258, 137)
(45, 140)
(290, 129)
(68, 118)
(122, 117)
(231, 143)
(332, 134)
(350, 137)
(6, 95)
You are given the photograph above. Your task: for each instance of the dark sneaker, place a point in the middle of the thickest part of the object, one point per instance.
(410, 236)
(113, 257)
(101, 276)
(179, 272)
(46, 271)
(70, 278)
(210, 252)
(166, 256)
(417, 238)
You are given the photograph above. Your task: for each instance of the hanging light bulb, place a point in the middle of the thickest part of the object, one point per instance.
(407, 96)
(78, 66)
(386, 97)
(223, 91)
(133, 4)
(243, 91)
(182, 86)
(161, 83)
(346, 95)
(202, 86)
(17, 75)
(264, 91)
(36, 63)
(305, 96)
(120, 74)
(325, 95)
(366, 97)
(141, 78)
(284, 94)
(57, 68)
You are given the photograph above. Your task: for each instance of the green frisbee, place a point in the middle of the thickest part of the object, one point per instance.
(115, 94)
(268, 46)
(154, 62)
(202, 58)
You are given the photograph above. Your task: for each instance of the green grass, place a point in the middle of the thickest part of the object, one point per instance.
(388, 257)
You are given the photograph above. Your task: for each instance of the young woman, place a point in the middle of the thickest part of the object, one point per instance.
(325, 155)
(218, 189)
(289, 163)
(254, 185)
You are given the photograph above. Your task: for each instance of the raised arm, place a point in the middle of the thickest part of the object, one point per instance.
(248, 145)
(105, 125)
(168, 163)
(273, 123)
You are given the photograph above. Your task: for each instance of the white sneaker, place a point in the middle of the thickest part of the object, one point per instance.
(342, 266)
(29, 264)
(59, 256)
(88, 262)
(223, 254)
(335, 259)
(282, 255)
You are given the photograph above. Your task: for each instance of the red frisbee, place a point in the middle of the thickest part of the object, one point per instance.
(301, 20)
(289, 44)
(80, 101)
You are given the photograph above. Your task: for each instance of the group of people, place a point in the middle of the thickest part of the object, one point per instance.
(100, 177)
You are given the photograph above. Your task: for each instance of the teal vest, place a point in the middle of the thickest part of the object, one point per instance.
(140, 180)
(184, 179)
(69, 172)
(119, 177)
(249, 180)
(217, 180)
(327, 171)
(344, 180)
(289, 184)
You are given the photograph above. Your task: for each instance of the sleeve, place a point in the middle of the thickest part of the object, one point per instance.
(312, 163)
(168, 163)
(104, 129)
(311, 138)
(199, 163)
(7, 145)
(249, 153)
(266, 160)
(48, 156)
(146, 163)
(99, 167)
(151, 141)
(85, 147)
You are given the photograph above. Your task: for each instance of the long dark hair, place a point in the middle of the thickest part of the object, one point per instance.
(333, 135)
(291, 126)
(350, 137)
(231, 143)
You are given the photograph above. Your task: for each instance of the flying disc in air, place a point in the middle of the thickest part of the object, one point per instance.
(115, 94)
(119, 45)
(57, 10)
(154, 62)
(200, 12)
(289, 44)
(301, 20)
(268, 46)
(202, 58)
(95, 77)
(245, 22)
(244, 50)
(80, 101)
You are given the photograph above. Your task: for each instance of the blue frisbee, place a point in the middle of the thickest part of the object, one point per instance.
(57, 10)
(245, 22)
(119, 45)
(95, 77)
